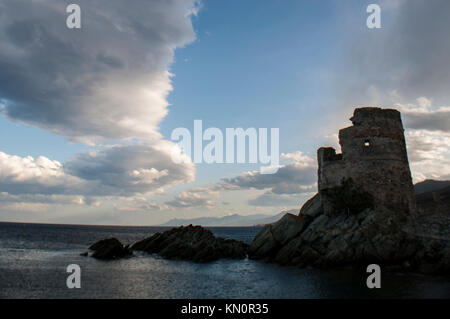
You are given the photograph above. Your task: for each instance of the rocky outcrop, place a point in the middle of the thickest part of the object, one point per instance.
(193, 243)
(433, 227)
(312, 208)
(365, 211)
(274, 236)
(110, 248)
(316, 239)
(323, 240)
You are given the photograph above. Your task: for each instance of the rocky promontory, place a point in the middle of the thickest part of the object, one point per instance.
(365, 210)
(315, 239)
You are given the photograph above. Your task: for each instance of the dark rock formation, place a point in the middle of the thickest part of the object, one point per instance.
(365, 210)
(433, 226)
(436, 201)
(337, 240)
(188, 243)
(273, 236)
(192, 243)
(110, 248)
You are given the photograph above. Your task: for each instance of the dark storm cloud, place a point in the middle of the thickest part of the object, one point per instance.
(431, 121)
(397, 66)
(404, 60)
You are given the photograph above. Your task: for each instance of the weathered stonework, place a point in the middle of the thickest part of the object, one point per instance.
(374, 159)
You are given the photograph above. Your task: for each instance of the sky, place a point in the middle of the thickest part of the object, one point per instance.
(86, 115)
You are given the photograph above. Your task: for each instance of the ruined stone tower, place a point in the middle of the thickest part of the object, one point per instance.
(373, 169)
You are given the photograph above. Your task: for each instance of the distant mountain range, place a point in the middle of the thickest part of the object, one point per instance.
(231, 220)
(430, 185)
(433, 196)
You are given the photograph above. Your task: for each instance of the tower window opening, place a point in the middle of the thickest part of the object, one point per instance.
(366, 143)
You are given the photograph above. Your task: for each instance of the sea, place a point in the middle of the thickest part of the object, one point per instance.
(34, 260)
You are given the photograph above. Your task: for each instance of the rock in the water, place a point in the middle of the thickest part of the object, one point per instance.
(110, 248)
(192, 243)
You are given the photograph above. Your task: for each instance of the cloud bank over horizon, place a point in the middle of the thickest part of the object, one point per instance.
(116, 171)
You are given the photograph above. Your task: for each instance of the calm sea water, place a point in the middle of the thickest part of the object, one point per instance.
(34, 257)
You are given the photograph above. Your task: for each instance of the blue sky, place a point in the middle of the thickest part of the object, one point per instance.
(259, 66)
(95, 107)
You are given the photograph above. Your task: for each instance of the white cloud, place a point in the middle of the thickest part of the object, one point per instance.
(116, 171)
(26, 175)
(108, 80)
(298, 176)
(422, 115)
(427, 134)
(290, 185)
(131, 169)
(299, 158)
(195, 197)
(429, 154)
(48, 199)
(139, 204)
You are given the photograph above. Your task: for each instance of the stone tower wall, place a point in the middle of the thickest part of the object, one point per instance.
(374, 157)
